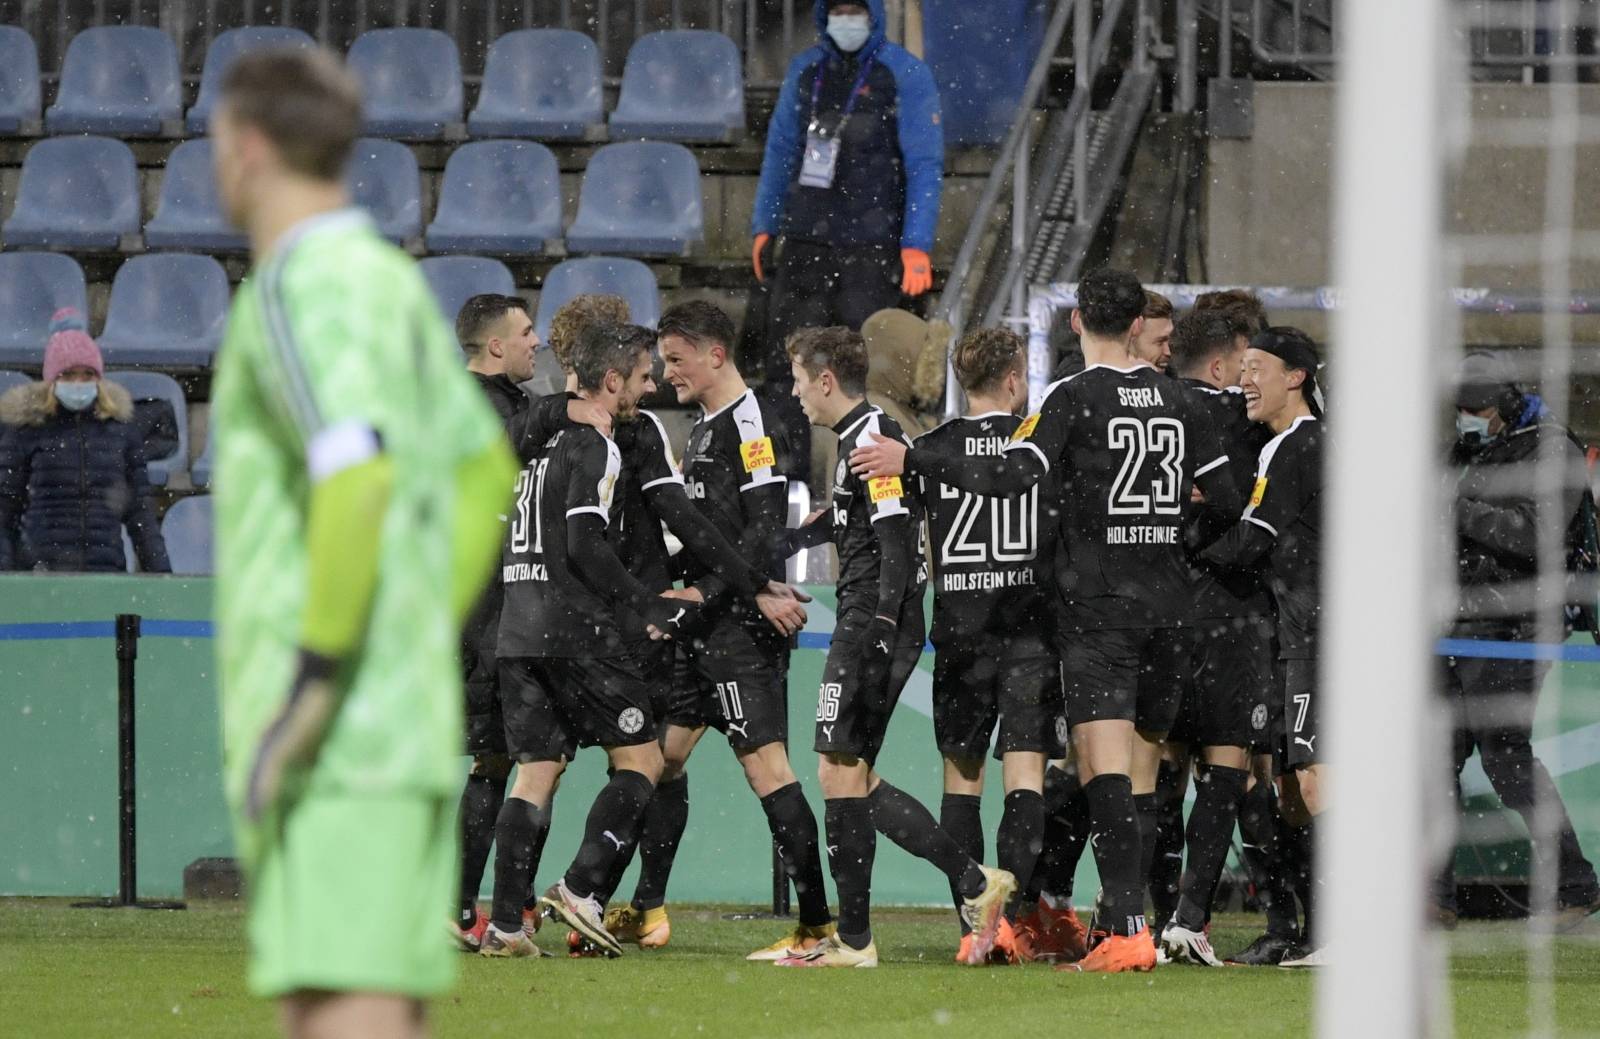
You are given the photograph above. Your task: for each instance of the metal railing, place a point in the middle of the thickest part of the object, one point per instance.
(1499, 34)
(768, 32)
(1032, 170)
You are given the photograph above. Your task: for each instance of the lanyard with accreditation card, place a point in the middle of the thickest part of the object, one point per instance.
(821, 158)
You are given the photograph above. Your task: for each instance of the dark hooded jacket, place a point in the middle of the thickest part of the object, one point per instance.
(891, 163)
(70, 481)
(1497, 521)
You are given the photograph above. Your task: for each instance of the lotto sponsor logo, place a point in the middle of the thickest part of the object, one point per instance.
(1259, 492)
(757, 454)
(1141, 535)
(884, 488)
(1025, 430)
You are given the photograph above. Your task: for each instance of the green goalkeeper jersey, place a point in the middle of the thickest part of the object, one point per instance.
(335, 337)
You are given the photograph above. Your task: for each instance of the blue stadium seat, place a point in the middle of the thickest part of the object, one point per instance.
(19, 82)
(681, 85)
(383, 180)
(640, 197)
(498, 197)
(411, 82)
(188, 215)
(155, 386)
(8, 379)
(200, 471)
(630, 279)
(34, 286)
(76, 193)
(222, 53)
(455, 279)
(187, 529)
(167, 311)
(980, 55)
(541, 83)
(118, 79)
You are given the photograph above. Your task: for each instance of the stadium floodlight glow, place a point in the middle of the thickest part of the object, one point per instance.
(1376, 663)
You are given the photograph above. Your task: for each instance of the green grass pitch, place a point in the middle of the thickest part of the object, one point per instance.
(131, 974)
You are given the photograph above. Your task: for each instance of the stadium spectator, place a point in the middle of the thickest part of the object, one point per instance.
(1497, 449)
(72, 466)
(850, 183)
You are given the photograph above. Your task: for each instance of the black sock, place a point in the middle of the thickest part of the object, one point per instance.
(1066, 834)
(1166, 868)
(794, 827)
(1265, 857)
(1148, 810)
(481, 799)
(1020, 839)
(532, 901)
(959, 816)
(665, 818)
(1304, 839)
(609, 831)
(852, 843)
(901, 818)
(518, 835)
(1116, 852)
(1210, 833)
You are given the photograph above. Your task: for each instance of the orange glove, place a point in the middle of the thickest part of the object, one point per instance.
(918, 272)
(755, 256)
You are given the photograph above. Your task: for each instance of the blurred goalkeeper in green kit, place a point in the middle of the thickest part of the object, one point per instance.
(360, 477)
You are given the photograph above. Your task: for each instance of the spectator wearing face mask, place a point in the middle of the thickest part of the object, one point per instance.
(72, 466)
(850, 187)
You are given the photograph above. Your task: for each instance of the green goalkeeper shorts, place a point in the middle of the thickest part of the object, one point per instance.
(350, 898)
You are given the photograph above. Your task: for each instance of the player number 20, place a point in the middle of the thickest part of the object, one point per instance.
(1012, 524)
(1139, 440)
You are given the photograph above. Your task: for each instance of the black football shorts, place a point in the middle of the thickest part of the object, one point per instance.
(852, 719)
(554, 705)
(1229, 686)
(1125, 674)
(985, 682)
(1300, 713)
(734, 678)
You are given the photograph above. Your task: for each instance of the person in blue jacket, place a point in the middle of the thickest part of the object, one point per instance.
(850, 186)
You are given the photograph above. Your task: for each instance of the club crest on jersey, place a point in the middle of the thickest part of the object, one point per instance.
(883, 488)
(1025, 430)
(630, 720)
(1258, 717)
(705, 443)
(1259, 493)
(757, 454)
(608, 487)
(841, 473)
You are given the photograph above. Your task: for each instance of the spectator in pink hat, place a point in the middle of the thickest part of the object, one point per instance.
(72, 466)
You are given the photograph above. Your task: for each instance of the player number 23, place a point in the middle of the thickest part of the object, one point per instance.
(1137, 491)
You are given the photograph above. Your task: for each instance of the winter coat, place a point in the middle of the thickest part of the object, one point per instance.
(1497, 528)
(891, 162)
(70, 481)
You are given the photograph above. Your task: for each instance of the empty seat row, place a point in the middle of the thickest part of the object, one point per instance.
(189, 532)
(504, 196)
(168, 310)
(685, 85)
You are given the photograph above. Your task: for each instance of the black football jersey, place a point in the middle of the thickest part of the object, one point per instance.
(991, 556)
(733, 472)
(636, 534)
(1126, 445)
(1286, 501)
(859, 504)
(1234, 593)
(549, 611)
